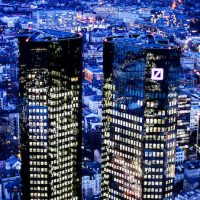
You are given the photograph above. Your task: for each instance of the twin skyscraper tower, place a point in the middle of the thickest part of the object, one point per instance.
(139, 116)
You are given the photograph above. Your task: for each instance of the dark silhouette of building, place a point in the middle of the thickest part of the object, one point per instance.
(50, 114)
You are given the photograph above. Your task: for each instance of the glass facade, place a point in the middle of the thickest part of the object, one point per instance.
(50, 119)
(139, 114)
(183, 122)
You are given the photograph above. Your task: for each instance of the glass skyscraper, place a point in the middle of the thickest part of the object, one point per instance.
(140, 105)
(183, 122)
(50, 114)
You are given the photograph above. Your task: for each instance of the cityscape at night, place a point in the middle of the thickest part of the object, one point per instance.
(100, 100)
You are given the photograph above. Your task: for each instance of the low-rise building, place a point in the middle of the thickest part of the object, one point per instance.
(93, 74)
(13, 163)
(180, 155)
(95, 102)
(91, 186)
(92, 121)
(192, 195)
(191, 175)
(3, 99)
(195, 108)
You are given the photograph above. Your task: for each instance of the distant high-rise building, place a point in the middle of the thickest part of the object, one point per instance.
(14, 124)
(140, 102)
(183, 121)
(50, 114)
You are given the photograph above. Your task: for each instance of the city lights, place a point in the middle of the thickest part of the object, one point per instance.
(99, 100)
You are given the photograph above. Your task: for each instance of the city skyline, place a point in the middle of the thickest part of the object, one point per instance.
(99, 99)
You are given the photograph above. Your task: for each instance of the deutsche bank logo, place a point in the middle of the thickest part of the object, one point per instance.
(157, 74)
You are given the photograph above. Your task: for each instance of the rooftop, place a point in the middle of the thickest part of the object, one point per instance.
(179, 149)
(192, 165)
(94, 69)
(96, 98)
(47, 35)
(192, 195)
(147, 41)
